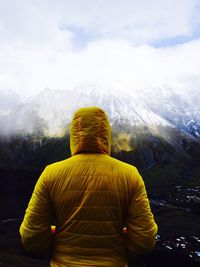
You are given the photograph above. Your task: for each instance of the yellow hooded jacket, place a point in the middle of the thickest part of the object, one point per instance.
(91, 196)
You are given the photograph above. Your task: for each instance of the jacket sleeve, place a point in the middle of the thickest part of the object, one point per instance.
(141, 227)
(35, 229)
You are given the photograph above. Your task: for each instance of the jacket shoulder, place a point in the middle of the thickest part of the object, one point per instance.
(56, 168)
(58, 164)
(124, 166)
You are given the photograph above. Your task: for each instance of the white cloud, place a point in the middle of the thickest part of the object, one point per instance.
(138, 21)
(141, 21)
(35, 53)
(113, 64)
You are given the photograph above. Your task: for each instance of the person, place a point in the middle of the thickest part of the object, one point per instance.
(99, 204)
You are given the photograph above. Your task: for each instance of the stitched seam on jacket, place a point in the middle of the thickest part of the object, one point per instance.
(94, 191)
(102, 221)
(100, 235)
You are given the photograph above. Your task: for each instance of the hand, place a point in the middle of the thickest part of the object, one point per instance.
(53, 229)
(125, 231)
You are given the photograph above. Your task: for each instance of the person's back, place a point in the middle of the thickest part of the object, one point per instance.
(92, 197)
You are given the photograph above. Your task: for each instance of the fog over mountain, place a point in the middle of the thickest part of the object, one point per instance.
(50, 111)
(149, 126)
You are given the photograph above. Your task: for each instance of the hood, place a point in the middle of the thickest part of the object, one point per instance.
(90, 132)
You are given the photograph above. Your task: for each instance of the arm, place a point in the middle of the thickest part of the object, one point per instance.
(35, 229)
(141, 227)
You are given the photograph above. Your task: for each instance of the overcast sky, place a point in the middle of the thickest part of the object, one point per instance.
(119, 44)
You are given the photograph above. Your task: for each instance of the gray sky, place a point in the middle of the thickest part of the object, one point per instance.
(120, 44)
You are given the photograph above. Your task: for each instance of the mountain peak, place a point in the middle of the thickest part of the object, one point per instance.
(158, 107)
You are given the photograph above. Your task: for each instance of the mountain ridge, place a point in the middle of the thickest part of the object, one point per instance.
(54, 109)
(145, 130)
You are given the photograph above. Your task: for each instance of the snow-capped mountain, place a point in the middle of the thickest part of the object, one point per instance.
(176, 109)
(57, 108)
(52, 110)
(149, 127)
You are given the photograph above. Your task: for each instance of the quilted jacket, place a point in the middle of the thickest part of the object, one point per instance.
(90, 197)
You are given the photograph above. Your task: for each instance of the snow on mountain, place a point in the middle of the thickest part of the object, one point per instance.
(157, 126)
(174, 108)
(53, 109)
(57, 107)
